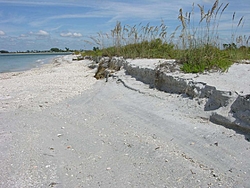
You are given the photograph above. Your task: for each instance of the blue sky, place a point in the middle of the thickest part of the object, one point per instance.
(41, 25)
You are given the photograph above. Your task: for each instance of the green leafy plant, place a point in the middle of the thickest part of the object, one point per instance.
(197, 48)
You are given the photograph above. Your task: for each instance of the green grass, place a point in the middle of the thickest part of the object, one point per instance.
(195, 45)
(146, 49)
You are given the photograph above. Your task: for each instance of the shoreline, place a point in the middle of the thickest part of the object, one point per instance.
(225, 95)
(38, 53)
(41, 87)
(59, 125)
(18, 62)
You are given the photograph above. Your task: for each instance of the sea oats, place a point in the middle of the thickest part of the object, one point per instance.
(214, 6)
(240, 21)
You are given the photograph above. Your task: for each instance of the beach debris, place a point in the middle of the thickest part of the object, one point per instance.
(130, 145)
(213, 174)
(88, 57)
(103, 65)
(108, 66)
(192, 172)
(58, 135)
(108, 168)
(154, 136)
(93, 65)
(215, 143)
(158, 147)
(78, 58)
(48, 155)
(52, 184)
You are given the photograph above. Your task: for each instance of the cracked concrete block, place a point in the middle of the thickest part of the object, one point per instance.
(226, 107)
(241, 109)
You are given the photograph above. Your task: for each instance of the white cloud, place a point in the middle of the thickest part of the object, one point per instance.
(66, 34)
(77, 34)
(69, 34)
(2, 33)
(23, 35)
(42, 33)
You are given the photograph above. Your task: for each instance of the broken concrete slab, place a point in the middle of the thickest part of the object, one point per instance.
(226, 92)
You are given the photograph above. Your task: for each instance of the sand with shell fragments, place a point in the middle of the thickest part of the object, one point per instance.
(41, 87)
(62, 128)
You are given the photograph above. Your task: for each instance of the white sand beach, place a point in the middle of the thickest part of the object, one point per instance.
(60, 127)
(38, 88)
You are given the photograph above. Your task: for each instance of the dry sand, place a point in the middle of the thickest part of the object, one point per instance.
(43, 87)
(62, 128)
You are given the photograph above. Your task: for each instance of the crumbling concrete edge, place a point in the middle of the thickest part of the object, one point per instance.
(227, 108)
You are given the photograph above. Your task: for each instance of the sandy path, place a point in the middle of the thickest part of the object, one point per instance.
(111, 136)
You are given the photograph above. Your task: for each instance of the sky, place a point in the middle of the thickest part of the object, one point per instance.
(42, 25)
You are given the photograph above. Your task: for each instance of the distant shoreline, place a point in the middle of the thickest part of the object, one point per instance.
(16, 62)
(39, 53)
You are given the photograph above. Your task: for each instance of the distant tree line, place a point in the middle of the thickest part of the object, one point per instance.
(60, 50)
(4, 51)
(41, 51)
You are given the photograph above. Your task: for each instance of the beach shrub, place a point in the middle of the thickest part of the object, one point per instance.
(92, 53)
(194, 44)
(146, 49)
(199, 41)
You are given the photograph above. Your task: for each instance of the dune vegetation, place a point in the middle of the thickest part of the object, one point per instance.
(195, 44)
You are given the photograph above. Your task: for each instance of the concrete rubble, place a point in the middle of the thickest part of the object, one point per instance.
(227, 94)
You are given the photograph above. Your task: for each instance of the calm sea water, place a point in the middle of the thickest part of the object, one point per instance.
(22, 62)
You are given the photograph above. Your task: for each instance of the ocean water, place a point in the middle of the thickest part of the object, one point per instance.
(21, 62)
